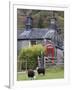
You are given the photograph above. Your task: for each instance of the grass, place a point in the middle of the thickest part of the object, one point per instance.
(51, 73)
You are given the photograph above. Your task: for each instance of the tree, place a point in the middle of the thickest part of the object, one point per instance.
(40, 23)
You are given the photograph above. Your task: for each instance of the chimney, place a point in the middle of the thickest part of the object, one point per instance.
(53, 24)
(28, 23)
(53, 21)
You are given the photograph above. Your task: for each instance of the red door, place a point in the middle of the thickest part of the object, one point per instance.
(50, 51)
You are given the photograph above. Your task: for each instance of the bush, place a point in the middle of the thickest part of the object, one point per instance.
(30, 54)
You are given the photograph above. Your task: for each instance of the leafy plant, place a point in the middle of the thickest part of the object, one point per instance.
(30, 54)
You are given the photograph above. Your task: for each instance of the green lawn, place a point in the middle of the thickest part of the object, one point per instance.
(51, 73)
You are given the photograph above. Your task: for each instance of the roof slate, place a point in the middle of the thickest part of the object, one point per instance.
(39, 34)
(35, 33)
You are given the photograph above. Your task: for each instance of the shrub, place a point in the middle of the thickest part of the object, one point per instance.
(30, 54)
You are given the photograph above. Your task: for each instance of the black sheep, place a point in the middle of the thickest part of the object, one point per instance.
(41, 71)
(31, 73)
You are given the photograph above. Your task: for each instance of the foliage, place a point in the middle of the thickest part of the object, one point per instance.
(30, 54)
(40, 18)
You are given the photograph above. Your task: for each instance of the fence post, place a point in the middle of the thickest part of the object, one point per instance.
(26, 65)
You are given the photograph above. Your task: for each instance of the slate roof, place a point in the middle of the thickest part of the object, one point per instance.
(39, 34)
(19, 32)
(36, 34)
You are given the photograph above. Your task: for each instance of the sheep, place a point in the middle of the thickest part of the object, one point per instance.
(31, 74)
(41, 71)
